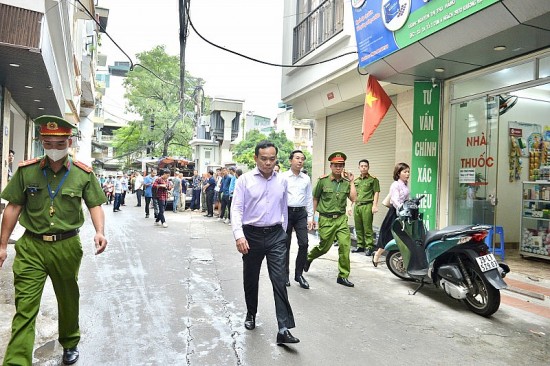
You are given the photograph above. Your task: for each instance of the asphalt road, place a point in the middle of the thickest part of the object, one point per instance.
(173, 296)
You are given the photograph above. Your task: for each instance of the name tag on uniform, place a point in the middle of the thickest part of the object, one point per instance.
(32, 189)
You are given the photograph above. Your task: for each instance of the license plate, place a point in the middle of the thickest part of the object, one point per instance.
(487, 262)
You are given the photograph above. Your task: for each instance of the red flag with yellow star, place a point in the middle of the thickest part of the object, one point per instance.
(377, 104)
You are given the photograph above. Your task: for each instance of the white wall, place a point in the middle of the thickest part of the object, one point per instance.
(18, 141)
(86, 128)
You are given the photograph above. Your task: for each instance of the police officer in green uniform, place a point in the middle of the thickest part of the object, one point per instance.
(329, 199)
(366, 205)
(46, 195)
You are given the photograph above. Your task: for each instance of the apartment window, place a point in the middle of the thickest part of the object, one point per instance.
(317, 22)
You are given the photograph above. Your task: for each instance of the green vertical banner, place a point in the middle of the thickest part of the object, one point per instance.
(424, 164)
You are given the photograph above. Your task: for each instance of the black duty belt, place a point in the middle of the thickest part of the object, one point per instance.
(53, 237)
(262, 229)
(296, 209)
(331, 215)
(362, 203)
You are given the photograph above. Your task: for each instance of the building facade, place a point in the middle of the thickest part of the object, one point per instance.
(47, 66)
(490, 66)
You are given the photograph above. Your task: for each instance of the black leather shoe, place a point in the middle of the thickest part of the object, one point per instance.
(358, 250)
(344, 281)
(370, 252)
(306, 266)
(302, 281)
(286, 337)
(287, 283)
(70, 355)
(250, 321)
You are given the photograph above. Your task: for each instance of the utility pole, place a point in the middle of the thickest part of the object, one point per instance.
(183, 15)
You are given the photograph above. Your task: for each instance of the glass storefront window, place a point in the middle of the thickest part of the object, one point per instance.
(473, 166)
(485, 83)
(544, 67)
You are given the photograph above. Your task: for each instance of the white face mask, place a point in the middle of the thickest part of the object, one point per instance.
(55, 154)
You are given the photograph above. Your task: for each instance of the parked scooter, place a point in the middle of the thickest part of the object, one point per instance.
(455, 259)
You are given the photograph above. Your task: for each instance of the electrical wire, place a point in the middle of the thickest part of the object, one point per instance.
(260, 61)
(107, 34)
(185, 34)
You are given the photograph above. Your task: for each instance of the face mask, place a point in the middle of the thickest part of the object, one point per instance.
(55, 154)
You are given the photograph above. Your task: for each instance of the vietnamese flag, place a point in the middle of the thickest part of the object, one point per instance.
(376, 106)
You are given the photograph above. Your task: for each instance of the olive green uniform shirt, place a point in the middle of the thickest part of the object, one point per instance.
(366, 187)
(29, 188)
(331, 195)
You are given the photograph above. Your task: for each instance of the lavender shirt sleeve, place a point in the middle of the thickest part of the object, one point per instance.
(237, 208)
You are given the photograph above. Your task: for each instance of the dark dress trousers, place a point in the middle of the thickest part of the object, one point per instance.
(268, 242)
(297, 220)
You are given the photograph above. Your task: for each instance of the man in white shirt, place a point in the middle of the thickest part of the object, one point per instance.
(118, 192)
(300, 214)
(138, 187)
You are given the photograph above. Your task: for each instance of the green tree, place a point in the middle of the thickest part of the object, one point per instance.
(243, 152)
(162, 130)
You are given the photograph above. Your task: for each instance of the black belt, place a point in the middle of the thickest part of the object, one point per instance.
(362, 203)
(296, 209)
(53, 237)
(331, 215)
(263, 229)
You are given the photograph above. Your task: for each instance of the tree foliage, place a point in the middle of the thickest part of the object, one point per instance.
(157, 99)
(243, 152)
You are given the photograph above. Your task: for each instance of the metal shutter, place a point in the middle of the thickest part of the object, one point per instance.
(344, 134)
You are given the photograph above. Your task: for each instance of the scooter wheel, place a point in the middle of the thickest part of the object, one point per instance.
(394, 261)
(483, 299)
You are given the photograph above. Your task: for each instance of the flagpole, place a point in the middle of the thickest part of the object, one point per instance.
(402, 119)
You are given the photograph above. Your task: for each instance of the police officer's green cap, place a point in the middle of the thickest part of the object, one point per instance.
(54, 126)
(337, 157)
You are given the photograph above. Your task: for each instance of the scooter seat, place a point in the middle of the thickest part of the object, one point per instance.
(452, 230)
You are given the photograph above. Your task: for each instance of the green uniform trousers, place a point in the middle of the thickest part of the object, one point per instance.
(34, 261)
(363, 226)
(330, 229)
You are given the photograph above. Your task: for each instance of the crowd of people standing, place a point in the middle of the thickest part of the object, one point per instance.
(210, 192)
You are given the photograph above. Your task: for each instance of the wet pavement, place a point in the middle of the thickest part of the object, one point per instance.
(173, 296)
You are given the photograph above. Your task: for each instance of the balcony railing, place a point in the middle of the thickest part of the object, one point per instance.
(319, 26)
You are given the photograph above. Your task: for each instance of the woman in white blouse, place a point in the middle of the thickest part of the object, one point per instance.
(399, 192)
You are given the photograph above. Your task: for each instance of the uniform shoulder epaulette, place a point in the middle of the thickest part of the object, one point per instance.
(29, 162)
(81, 165)
(324, 176)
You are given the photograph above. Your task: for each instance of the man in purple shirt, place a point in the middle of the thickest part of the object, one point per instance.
(259, 216)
